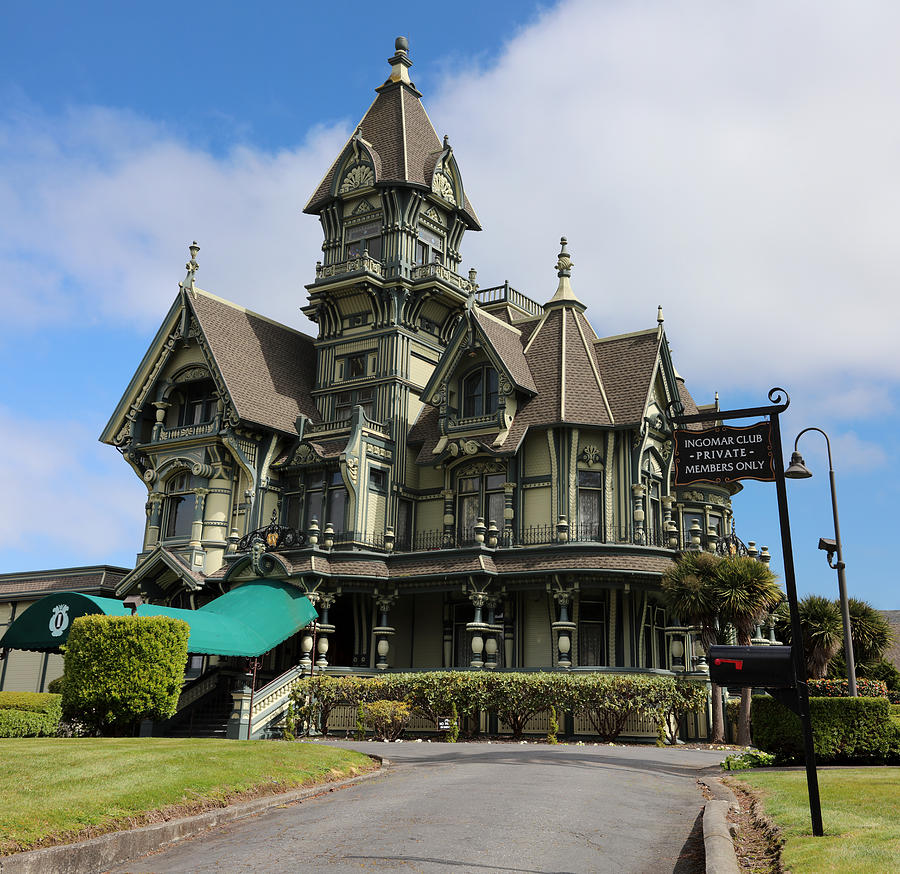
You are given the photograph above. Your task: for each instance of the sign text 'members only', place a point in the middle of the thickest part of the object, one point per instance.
(724, 454)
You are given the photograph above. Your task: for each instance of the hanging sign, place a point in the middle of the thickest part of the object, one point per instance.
(724, 454)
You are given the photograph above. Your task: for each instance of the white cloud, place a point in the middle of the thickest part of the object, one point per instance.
(735, 162)
(85, 503)
(97, 209)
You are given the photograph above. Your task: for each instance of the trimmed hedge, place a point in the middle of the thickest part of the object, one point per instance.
(607, 700)
(29, 714)
(830, 688)
(122, 669)
(845, 730)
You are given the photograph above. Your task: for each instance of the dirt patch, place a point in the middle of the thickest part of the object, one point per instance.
(758, 841)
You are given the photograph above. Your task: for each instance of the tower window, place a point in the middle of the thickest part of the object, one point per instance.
(590, 505)
(479, 496)
(429, 247)
(364, 238)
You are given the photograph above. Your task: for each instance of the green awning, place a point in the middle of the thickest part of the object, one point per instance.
(247, 621)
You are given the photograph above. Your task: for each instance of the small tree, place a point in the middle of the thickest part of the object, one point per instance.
(747, 592)
(688, 588)
(822, 629)
(122, 669)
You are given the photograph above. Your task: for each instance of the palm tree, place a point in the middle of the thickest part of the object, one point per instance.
(747, 593)
(688, 590)
(872, 636)
(822, 629)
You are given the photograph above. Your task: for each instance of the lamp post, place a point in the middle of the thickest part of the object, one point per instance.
(798, 470)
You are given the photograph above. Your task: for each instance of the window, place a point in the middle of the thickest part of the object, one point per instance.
(193, 404)
(180, 503)
(364, 238)
(326, 499)
(403, 534)
(592, 633)
(355, 366)
(378, 479)
(479, 496)
(688, 521)
(480, 395)
(654, 513)
(347, 400)
(590, 505)
(430, 247)
(292, 505)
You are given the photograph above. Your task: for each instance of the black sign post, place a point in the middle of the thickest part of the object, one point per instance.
(718, 455)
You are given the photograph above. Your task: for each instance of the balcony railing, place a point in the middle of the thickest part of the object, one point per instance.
(362, 264)
(507, 294)
(182, 431)
(438, 271)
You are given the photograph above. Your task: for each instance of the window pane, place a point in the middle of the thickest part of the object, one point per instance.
(421, 253)
(591, 644)
(356, 366)
(494, 509)
(374, 248)
(592, 479)
(369, 229)
(472, 395)
(469, 484)
(494, 481)
(314, 507)
(180, 515)
(491, 393)
(468, 515)
(337, 502)
(290, 515)
(589, 513)
(315, 479)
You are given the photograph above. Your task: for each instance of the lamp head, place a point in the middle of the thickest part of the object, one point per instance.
(797, 469)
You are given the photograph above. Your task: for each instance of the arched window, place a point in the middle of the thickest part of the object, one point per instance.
(590, 506)
(193, 403)
(479, 392)
(180, 503)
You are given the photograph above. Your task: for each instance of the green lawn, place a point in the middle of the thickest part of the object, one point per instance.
(52, 789)
(860, 812)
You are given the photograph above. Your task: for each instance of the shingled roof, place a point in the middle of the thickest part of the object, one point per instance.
(507, 342)
(405, 146)
(268, 368)
(99, 580)
(627, 363)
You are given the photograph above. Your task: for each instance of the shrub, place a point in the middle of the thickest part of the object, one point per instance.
(122, 669)
(857, 730)
(745, 761)
(831, 688)
(29, 714)
(56, 686)
(36, 702)
(386, 719)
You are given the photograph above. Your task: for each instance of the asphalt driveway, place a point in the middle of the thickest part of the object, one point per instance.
(474, 808)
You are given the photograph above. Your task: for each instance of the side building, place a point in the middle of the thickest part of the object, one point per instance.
(458, 476)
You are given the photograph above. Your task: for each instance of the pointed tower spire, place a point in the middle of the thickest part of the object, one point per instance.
(564, 264)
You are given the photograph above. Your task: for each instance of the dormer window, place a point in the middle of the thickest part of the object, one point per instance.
(479, 393)
(193, 403)
(430, 247)
(180, 503)
(364, 238)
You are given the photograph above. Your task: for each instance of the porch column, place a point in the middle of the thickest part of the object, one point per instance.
(509, 513)
(326, 601)
(477, 629)
(383, 632)
(449, 537)
(563, 629)
(637, 492)
(493, 635)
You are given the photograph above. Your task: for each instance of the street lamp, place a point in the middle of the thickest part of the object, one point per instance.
(798, 470)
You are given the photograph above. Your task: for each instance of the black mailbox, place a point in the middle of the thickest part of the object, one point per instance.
(768, 667)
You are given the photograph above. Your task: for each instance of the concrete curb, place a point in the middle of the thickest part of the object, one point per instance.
(718, 840)
(100, 853)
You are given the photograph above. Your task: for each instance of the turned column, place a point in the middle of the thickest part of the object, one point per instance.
(383, 632)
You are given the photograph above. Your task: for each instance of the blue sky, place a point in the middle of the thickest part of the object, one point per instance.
(736, 163)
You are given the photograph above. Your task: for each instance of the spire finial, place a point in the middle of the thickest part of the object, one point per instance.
(659, 316)
(446, 141)
(564, 263)
(400, 62)
(192, 266)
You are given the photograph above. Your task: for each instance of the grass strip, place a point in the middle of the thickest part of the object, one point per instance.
(57, 790)
(860, 812)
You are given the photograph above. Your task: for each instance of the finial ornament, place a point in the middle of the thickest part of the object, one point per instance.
(192, 266)
(446, 141)
(659, 315)
(401, 44)
(400, 62)
(564, 261)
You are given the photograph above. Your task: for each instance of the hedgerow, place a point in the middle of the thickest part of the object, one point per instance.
(845, 730)
(29, 714)
(606, 700)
